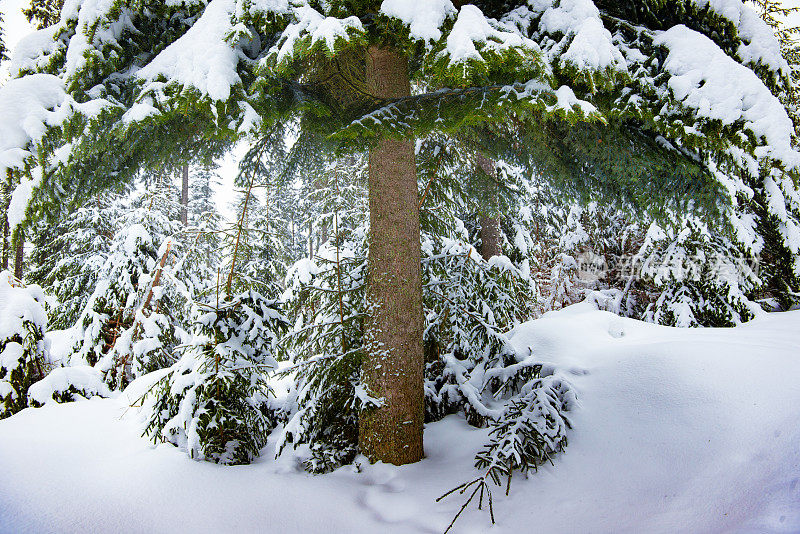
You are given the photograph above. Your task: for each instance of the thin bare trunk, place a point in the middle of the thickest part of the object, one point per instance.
(310, 239)
(185, 196)
(240, 228)
(157, 277)
(393, 364)
(338, 265)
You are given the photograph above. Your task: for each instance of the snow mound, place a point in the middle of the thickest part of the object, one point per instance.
(676, 430)
(68, 384)
(19, 304)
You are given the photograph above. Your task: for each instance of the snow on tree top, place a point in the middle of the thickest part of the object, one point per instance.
(716, 87)
(20, 198)
(473, 27)
(31, 51)
(591, 46)
(761, 45)
(19, 304)
(265, 6)
(26, 106)
(10, 356)
(312, 25)
(93, 30)
(424, 19)
(202, 57)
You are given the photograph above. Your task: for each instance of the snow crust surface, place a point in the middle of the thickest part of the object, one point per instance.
(677, 430)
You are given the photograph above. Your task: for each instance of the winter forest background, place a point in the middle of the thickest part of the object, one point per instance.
(316, 227)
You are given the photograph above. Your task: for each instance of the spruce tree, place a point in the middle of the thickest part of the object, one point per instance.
(43, 13)
(67, 258)
(701, 278)
(326, 300)
(129, 325)
(201, 239)
(664, 104)
(213, 402)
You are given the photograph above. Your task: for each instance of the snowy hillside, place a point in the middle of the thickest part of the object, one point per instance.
(676, 431)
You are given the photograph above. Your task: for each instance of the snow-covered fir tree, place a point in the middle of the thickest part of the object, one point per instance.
(23, 323)
(253, 250)
(661, 106)
(701, 279)
(202, 188)
(67, 258)
(214, 401)
(126, 327)
(201, 240)
(327, 303)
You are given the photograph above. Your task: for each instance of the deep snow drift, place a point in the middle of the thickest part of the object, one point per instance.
(677, 431)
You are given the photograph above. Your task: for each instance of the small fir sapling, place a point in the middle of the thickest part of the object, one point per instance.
(213, 402)
(326, 297)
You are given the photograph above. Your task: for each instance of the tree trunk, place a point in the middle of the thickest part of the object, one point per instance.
(393, 363)
(490, 237)
(185, 196)
(19, 256)
(490, 222)
(323, 233)
(310, 239)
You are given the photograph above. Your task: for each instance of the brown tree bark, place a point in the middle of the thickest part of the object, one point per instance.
(19, 256)
(185, 195)
(490, 222)
(310, 239)
(393, 363)
(490, 237)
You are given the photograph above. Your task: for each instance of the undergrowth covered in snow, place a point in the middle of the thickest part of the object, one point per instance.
(669, 435)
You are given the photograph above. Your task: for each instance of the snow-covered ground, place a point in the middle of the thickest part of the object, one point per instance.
(677, 431)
